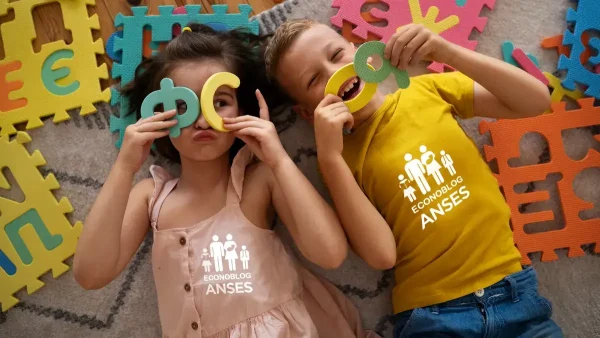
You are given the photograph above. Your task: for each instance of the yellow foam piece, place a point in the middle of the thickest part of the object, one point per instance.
(40, 202)
(344, 74)
(558, 91)
(77, 60)
(429, 19)
(208, 92)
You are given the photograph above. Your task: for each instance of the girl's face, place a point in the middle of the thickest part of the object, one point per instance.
(199, 141)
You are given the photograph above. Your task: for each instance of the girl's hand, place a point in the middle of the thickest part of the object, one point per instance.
(413, 43)
(139, 137)
(259, 134)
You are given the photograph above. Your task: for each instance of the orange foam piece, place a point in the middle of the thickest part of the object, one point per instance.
(6, 87)
(506, 136)
(556, 42)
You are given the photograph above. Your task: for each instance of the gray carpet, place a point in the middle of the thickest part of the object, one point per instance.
(79, 152)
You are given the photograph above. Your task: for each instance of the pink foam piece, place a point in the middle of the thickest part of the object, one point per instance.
(176, 28)
(349, 10)
(528, 65)
(597, 69)
(397, 15)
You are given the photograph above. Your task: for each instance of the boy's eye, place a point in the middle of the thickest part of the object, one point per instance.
(312, 80)
(219, 104)
(336, 53)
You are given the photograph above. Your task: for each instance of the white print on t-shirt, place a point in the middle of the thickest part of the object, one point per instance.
(229, 252)
(446, 196)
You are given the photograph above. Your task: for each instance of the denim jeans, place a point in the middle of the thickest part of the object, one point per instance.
(509, 308)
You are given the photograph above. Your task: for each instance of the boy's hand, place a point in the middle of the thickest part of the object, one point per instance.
(331, 116)
(413, 43)
(259, 134)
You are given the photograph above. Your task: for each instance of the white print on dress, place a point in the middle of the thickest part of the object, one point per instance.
(230, 253)
(408, 190)
(244, 257)
(448, 163)
(432, 204)
(433, 167)
(206, 260)
(217, 251)
(234, 282)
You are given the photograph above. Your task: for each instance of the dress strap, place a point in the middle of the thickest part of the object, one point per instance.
(163, 185)
(238, 169)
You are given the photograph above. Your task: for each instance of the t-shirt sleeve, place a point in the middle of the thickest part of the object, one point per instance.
(454, 88)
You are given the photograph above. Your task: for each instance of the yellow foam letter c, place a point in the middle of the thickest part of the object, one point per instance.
(208, 93)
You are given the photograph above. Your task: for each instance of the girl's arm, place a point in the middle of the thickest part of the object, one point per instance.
(312, 223)
(118, 220)
(113, 231)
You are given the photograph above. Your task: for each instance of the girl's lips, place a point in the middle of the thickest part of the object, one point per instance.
(204, 135)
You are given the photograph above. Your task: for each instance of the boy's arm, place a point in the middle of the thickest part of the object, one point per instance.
(501, 90)
(369, 234)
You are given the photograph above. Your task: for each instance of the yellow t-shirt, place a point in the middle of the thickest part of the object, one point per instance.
(426, 177)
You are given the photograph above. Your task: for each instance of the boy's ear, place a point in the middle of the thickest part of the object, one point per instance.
(303, 112)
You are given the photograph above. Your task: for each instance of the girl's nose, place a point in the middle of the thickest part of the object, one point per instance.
(201, 123)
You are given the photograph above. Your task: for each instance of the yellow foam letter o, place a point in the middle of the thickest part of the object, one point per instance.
(208, 93)
(342, 75)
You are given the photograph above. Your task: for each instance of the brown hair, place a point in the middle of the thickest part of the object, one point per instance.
(281, 41)
(240, 51)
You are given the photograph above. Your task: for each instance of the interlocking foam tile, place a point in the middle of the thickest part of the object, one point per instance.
(556, 42)
(528, 65)
(558, 91)
(585, 18)
(416, 13)
(60, 77)
(110, 43)
(507, 49)
(506, 136)
(130, 45)
(37, 235)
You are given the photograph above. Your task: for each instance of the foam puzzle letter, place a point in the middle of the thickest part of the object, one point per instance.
(6, 87)
(31, 217)
(367, 74)
(340, 77)
(6, 264)
(168, 95)
(208, 92)
(50, 76)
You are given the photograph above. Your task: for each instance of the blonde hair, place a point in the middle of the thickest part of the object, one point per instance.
(281, 41)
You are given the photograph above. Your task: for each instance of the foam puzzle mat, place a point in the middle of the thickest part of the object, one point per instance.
(59, 77)
(506, 136)
(130, 45)
(453, 21)
(37, 236)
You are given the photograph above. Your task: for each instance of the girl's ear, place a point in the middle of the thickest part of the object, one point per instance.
(303, 112)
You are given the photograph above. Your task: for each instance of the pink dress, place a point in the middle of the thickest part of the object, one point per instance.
(268, 295)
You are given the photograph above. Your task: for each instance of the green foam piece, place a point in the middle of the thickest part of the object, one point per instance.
(31, 217)
(366, 74)
(168, 96)
(50, 76)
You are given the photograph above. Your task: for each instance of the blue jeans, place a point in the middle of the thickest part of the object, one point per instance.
(509, 308)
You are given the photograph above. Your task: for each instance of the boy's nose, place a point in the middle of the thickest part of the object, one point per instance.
(201, 122)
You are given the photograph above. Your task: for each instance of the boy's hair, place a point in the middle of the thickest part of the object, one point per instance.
(240, 51)
(281, 41)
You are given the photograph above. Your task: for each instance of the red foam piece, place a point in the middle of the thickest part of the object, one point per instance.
(528, 65)
(6, 87)
(506, 137)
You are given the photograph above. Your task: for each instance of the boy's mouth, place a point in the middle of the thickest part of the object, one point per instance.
(350, 88)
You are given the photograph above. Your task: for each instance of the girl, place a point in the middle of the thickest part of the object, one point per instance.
(222, 201)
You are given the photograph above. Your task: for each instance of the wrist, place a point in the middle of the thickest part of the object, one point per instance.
(329, 159)
(450, 52)
(124, 169)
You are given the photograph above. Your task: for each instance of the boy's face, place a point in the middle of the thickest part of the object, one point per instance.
(310, 61)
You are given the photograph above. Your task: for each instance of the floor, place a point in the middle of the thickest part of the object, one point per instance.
(50, 27)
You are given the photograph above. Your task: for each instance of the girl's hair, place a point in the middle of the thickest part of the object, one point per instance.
(240, 51)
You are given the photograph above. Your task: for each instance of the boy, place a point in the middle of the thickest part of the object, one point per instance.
(411, 189)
